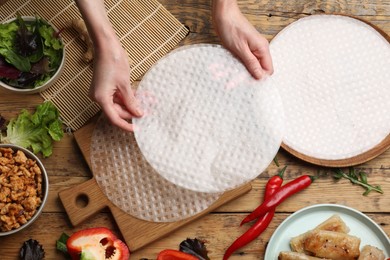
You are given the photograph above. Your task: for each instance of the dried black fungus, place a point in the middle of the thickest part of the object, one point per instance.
(194, 247)
(31, 250)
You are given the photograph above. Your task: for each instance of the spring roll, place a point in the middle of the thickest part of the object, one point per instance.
(334, 223)
(371, 253)
(285, 255)
(330, 244)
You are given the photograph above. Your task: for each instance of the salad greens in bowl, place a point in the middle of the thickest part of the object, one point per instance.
(32, 54)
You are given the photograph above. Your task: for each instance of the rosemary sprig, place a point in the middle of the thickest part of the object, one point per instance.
(359, 178)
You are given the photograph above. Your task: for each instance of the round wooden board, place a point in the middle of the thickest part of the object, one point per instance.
(347, 162)
(354, 160)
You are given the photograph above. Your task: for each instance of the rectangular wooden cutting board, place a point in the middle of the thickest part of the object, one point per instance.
(136, 232)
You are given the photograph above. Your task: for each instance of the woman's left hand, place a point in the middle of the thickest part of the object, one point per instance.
(239, 36)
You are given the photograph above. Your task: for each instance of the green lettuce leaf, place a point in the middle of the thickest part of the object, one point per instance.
(20, 62)
(8, 30)
(7, 35)
(36, 131)
(52, 45)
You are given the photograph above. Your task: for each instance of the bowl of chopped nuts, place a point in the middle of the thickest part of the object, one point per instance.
(24, 187)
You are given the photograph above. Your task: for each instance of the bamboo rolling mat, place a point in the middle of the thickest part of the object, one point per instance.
(145, 28)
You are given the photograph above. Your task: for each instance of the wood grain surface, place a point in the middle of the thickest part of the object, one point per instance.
(67, 167)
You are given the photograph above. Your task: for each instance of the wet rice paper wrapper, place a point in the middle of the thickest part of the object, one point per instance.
(332, 73)
(209, 125)
(131, 184)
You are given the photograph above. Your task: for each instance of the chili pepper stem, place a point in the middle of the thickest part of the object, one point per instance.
(281, 173)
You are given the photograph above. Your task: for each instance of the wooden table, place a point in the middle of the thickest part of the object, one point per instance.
(66, 167)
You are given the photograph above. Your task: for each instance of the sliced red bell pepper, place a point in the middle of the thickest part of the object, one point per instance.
(170, 254)
(96, 243)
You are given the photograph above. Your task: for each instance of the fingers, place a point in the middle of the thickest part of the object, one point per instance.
(119, 117)
(115, 110)
(123, 108)
(127, 98)
(252, 64)
(265, 60)
(258, 61)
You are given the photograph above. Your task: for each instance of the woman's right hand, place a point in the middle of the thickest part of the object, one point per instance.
(111, 87)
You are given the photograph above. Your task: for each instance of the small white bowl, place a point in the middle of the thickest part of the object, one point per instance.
(45, 188)
(51, 81)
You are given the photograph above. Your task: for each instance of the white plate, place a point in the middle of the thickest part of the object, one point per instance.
(308, 218)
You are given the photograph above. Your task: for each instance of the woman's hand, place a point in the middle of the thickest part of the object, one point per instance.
(111, 88)
(110, 85)
(239, 36)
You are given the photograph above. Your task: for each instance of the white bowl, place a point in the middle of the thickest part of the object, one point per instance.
(53, 79)
(45, 188)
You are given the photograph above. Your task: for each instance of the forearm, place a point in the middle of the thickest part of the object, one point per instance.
(224, 12)
(97, 22)
(220, 7)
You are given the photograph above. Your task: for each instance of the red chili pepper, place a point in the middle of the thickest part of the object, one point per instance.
(170, 254)
(273, 184)
(96, 243)
(283, 193)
